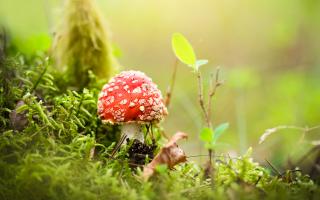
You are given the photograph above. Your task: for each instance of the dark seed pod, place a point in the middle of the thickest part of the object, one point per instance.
(138, 152)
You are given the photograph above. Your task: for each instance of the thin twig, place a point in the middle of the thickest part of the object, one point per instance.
(256, 183)
(215, 84)
(207, 111)
(201, 100)
(312, 128)
(211, 152)
(270, 131)
(172, 83)
(117, 147)
(274, 169)
(39, 79)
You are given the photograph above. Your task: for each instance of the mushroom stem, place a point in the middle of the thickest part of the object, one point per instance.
(132, 131)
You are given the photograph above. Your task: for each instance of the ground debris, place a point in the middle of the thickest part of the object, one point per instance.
(169, 155)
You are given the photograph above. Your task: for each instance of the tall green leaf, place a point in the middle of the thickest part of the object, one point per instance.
(183, 50)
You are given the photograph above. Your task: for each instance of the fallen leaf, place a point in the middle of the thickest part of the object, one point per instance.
(169, 155)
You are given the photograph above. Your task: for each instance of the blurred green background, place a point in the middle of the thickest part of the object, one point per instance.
(268, 51)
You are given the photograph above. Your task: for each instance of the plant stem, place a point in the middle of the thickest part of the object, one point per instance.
(201, 100)
(274, 169)
(132, 130)
(39, 79)
(172, 83)
(215, 85)
(210, 155)
(118, 145)
(207, 111)
(212, 92)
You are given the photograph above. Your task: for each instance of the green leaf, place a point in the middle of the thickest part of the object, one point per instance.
(206, 135)
(219, 130)
(183, 50)
(199, 63)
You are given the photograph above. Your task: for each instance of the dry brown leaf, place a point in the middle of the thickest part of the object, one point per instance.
(169, 155)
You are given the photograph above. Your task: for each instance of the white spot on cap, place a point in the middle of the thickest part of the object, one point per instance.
(145, 86)
(142, 101)
(141, 108)
(131, 104)
(123, 102)
(150, 101)
(136, 90)
(110, 99)
(156, 108)
(126, 87)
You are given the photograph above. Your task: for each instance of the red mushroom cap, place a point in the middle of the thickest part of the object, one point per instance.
(131, 96)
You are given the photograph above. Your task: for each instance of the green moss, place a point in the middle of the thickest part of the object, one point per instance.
(82, 43)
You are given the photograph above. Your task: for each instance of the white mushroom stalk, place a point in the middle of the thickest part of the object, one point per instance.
(131, 99)
(132, 131)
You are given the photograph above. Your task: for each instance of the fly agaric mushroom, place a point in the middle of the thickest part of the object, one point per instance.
(131, 99)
